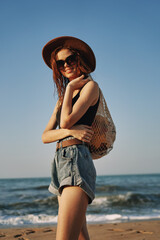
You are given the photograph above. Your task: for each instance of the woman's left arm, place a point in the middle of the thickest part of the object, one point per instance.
(89, 94)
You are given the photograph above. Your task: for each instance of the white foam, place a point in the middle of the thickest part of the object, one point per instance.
(43, 219)
(110, 218)
(156, 210)
(99, 201)
(111, 199)
(143, 217)
(95, 218)
(28, 219)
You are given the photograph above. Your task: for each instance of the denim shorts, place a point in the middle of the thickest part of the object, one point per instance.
(73, 166)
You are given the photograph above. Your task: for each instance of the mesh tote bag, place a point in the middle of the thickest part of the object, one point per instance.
(104, 131)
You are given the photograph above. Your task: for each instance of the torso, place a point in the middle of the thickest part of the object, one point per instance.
(88, 117)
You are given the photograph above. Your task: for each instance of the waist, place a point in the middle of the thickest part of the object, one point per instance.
(69, 142)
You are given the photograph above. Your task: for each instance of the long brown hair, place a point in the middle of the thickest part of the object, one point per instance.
(61, 81)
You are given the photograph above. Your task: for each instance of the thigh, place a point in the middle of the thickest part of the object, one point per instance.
(72, 208)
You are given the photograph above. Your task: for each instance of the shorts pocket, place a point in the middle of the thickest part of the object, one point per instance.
(65, 164)
(67, 153)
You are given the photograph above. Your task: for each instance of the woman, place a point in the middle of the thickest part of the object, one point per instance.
(73, 172)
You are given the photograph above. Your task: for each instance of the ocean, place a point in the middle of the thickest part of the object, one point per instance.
(26, 202)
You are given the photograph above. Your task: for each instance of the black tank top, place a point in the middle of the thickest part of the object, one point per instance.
(87, 118)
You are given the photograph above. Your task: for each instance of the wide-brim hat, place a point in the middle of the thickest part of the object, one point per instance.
(66, 41)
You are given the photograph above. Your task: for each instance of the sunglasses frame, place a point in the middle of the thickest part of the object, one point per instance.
(68, 60)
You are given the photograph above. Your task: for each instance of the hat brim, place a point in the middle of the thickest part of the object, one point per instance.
(75, 43)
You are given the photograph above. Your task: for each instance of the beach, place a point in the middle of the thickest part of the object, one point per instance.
(140, 230)
(125, 207)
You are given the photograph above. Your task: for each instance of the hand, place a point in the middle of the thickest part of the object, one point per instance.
(82, 132)
(78, 83)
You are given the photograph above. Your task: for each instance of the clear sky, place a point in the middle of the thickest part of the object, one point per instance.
(125, 36)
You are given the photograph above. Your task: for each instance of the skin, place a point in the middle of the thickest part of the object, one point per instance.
(73, 201)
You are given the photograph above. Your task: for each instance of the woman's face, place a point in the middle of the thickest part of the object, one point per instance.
(69, 71)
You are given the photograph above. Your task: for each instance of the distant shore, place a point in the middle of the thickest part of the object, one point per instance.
(146, 230)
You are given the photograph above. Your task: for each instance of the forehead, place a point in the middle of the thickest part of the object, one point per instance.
(63, 54)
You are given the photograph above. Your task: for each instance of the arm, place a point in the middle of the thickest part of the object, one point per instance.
(89, 94)
(51, 134)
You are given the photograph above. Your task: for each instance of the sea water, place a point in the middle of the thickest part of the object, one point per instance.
(120, 198)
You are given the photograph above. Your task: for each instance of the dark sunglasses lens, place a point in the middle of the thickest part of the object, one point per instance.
(71, 60)
(60, 64)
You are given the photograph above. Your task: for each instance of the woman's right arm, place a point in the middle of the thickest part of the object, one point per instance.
(51, 134)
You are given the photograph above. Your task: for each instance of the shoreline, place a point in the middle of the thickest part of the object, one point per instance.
(26, 226)
(136, 230)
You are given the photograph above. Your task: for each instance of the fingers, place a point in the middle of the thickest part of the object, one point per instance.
(87, 135)
(80, 78)
(82, 132)
(78, 82)
(83, 76)
(87, 138)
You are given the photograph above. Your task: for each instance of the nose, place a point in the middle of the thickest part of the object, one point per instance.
(65, 64)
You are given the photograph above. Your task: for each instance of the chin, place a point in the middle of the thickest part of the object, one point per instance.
(71, 76)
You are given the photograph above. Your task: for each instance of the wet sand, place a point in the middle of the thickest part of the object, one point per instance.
(142, 230)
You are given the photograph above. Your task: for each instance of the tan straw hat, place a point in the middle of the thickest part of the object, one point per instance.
(66, 41)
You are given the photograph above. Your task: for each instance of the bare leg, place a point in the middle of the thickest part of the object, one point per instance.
(71, 216)
(84, 232)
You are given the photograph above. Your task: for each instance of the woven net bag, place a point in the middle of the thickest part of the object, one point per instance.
(104, 131)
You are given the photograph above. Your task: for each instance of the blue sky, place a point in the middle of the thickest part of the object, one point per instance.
(125, 37)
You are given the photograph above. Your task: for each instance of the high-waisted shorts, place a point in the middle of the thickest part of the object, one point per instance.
(73, 166)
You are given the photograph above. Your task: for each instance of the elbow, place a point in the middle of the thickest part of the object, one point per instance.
(65, 124)
(44, 138)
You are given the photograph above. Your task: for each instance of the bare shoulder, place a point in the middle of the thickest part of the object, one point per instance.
(91, 86)
(90, 92)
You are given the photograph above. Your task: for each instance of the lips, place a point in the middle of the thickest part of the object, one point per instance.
(68, 70)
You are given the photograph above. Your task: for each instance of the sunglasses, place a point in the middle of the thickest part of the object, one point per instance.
(70, 60)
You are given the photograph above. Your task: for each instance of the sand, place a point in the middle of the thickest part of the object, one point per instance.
(142, 230)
